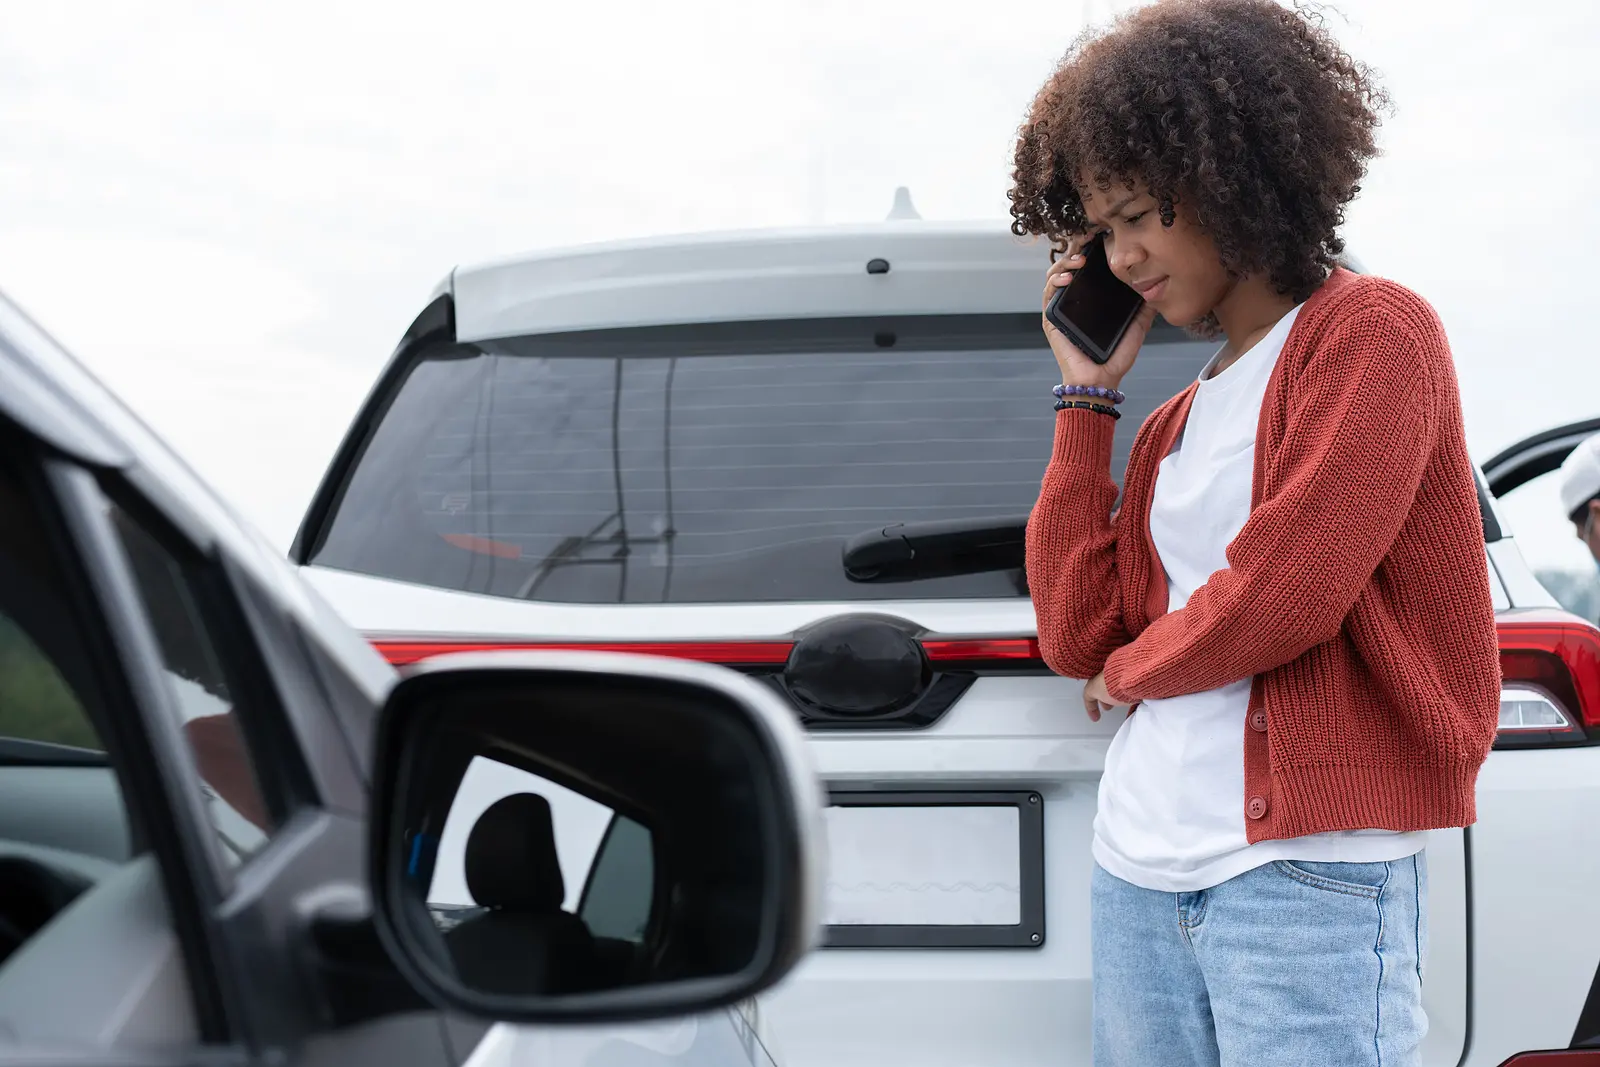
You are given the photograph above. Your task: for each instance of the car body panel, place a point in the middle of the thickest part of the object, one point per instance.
(758, 274)
(693, 1042)
(1534, 955)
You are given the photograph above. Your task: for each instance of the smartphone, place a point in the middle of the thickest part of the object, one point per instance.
(1096, 308)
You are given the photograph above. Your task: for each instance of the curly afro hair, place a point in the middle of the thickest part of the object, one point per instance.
(1246, 111)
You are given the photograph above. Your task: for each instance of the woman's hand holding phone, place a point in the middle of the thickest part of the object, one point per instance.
(1077, 368)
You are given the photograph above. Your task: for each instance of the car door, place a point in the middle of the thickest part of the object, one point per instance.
(203, 815)
(275, 826)
(1524, 477)
(150, 787)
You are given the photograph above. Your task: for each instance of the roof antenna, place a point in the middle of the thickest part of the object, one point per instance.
(903, 208)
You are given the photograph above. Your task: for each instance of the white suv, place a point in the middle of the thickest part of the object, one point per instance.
(808, 455)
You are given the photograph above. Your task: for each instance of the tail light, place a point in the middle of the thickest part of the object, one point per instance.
(1567, 1057)
(1550, 680)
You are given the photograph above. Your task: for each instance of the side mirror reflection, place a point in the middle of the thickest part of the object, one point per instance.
(539, 889)
(584, 835)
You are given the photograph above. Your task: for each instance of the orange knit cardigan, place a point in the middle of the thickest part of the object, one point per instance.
(1356, 596)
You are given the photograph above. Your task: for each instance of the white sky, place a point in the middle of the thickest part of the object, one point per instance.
(233, 211)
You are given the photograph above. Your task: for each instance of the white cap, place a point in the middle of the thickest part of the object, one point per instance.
(1580, 474)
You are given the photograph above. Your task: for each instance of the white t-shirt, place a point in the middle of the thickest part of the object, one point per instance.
(1171, 814)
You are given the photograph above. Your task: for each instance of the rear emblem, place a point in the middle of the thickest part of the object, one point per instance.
(858, 665)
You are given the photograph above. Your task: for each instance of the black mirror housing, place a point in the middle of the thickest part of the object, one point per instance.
(591, 837)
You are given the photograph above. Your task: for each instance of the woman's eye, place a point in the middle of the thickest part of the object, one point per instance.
(1134, 219)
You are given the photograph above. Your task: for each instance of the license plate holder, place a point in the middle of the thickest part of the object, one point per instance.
(942, 869)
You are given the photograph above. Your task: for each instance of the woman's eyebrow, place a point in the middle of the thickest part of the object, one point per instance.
(1116, 207)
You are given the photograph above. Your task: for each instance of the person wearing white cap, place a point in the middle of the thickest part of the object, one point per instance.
(1580, 492)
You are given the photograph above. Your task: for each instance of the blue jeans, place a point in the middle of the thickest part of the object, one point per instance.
(1310, 964)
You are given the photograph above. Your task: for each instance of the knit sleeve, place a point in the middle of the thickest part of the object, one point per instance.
(1360, 429)
(1071, 549)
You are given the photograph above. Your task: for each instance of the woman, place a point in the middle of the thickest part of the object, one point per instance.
(1293, 591)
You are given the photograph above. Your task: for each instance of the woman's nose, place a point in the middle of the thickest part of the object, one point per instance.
(1125, 257)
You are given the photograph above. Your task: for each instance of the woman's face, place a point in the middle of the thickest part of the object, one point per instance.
(1175, 268)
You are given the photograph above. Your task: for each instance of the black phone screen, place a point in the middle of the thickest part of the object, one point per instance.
(1096, 303)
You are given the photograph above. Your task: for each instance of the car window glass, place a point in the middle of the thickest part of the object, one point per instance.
(57, 791)
(616, 901)
(37, 703)
(602, 859)
(41, 651)
(715, 462)
(203, 694)
(1549, 543)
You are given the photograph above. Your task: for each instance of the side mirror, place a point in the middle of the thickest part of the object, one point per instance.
(591, 836)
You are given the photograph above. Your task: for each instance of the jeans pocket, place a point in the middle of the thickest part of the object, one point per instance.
(1353, 879)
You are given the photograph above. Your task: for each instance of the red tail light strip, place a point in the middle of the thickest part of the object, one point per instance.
(729, 653)
(1011, 650)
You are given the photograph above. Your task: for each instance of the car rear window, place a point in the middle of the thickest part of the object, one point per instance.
(721, 462)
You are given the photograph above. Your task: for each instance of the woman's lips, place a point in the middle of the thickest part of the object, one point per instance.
(1152, 290)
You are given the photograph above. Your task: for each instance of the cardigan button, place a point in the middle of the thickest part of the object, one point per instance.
(1257, 808)
(1258, 721)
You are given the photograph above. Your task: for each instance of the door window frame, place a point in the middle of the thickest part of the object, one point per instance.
(151, 757)
(121, 654)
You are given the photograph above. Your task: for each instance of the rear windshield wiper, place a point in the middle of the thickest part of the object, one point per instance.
(906, 551)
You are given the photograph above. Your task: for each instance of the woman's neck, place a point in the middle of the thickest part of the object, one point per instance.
(1249, 311)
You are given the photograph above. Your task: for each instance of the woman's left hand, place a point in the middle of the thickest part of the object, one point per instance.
(1096, 697)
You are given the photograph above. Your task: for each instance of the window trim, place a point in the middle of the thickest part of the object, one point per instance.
(99, 590)
(205, 581)
(434, 327)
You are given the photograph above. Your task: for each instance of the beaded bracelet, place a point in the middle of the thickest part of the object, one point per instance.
(1099, 409)
(1104, 392)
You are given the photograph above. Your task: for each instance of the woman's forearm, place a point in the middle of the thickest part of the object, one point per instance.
(1072, 550)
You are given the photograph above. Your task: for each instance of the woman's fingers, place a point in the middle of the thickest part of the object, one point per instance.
(1059, 274)
(1095, 697)
(1062, 270)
